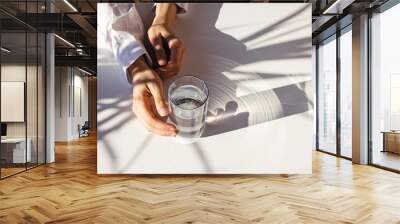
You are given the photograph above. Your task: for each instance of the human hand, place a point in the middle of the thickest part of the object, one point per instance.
(168, 48)
(149, 103)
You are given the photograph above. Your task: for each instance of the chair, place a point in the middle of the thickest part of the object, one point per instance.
(84, 130)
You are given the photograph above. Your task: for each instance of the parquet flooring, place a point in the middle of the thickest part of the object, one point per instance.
(10, 171)
(70, 191)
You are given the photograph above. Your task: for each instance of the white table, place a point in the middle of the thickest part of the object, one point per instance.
(258, 69)
(18, 149)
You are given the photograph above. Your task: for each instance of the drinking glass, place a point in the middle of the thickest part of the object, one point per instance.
(188, 99)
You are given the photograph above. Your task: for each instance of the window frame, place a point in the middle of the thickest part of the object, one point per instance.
(338, 33)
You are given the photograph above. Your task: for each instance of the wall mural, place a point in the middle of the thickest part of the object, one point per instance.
(255, 59)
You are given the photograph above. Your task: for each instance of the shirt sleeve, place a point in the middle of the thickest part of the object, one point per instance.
(126, 33)
(182, 7)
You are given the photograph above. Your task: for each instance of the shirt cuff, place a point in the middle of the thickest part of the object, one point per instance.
(127, 55)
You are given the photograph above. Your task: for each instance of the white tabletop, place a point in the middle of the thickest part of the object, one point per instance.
(258, 69)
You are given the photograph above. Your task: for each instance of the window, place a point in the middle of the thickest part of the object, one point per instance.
(395, 102)
(22, 77)
(327, 95)
(335, 137)
(385, 89)
(346, 92)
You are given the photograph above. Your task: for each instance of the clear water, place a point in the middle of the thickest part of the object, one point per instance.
(188, 103)
(188, 111)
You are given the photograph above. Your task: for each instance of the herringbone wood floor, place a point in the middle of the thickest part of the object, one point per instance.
(70, 191)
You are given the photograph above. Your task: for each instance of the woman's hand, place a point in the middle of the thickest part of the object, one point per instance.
(163, 40)
(149, 103)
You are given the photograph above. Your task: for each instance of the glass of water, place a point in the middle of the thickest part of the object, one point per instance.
(188, 99)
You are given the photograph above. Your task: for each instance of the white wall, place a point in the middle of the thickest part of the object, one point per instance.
(13, 100)
(81, 82)
(61, 103)
(68, 82)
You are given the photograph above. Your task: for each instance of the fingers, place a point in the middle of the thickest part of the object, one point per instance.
(158, 95)
(174, 64)
(143, 109)
(161, 56)
(180, 58)
(177, 50)
(169, 65)
(168, 71)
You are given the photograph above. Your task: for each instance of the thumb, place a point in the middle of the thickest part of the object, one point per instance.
(157, 92)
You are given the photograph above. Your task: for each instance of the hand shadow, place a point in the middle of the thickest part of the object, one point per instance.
(225, 120)
(209, 56)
